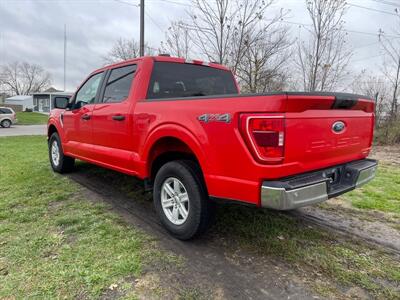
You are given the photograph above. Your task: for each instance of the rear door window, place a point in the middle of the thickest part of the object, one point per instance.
(119, 84)
(176, 80)
(5, 111)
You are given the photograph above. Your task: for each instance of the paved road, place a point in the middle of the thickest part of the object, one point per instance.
(23, 130)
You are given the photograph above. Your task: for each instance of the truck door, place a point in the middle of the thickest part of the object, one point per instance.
(112, 121)
(77, 122)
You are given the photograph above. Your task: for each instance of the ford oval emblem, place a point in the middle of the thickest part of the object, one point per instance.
(338, 126)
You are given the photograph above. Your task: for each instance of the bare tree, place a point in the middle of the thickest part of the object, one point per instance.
(237, 33)
(250, 28)
(262, 65)
(124, 49)
(212, 24)
(222, 28)
(391, 67)
(322, 61)
(23, 78)
(377, 88)
(178, 42)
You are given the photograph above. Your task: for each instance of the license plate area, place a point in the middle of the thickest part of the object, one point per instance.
(338, 179)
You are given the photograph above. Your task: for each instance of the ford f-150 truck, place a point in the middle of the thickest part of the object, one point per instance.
(184, 129)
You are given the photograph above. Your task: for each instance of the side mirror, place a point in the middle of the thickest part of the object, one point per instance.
(61, 102)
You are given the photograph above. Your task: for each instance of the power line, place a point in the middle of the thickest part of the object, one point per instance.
(372, 9)
(369, 57)
(346, 30)
(387, 2)
(173, 2)
(154, 22)
(366, 45)
(127, 3)
(147, 14)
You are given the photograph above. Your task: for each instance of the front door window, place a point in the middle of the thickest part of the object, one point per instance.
(87, 93)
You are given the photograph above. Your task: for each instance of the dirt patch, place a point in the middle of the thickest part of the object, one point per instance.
(348, 221)
(387, 154)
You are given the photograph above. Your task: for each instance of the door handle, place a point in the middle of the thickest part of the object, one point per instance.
(118, 118)
(86, 117)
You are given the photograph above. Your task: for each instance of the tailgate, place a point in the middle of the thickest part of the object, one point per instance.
(327, 129)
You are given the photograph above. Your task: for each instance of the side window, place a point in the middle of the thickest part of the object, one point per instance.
(5, 111)
(87, 93)
(119, 84)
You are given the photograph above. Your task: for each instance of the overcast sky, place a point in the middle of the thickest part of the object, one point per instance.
(33, 30)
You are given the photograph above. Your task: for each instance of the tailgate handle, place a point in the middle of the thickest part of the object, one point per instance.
(118, 118)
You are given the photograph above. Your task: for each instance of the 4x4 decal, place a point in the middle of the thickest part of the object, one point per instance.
(206, 118)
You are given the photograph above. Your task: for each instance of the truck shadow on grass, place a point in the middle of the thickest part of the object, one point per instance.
(255, 253)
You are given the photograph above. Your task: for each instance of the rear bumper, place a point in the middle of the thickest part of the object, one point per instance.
(314, 187)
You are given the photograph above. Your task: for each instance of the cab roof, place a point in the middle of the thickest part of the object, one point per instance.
(164, 58)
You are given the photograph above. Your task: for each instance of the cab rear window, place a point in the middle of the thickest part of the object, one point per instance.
(177, 80)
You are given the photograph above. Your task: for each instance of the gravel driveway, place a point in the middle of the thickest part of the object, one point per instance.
(23, 130)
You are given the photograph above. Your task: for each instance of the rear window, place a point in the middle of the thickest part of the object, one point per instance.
(175, 80)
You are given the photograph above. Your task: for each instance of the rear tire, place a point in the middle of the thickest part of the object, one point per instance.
(6, 123)
(181, 200)
(59, 162)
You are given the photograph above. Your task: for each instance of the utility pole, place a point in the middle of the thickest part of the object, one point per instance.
(65, 54)
(141, 28)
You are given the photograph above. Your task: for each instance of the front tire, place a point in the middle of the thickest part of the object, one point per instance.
(60, 163)
(181, 200)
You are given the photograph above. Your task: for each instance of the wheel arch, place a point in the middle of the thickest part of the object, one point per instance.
(169, 144)
(168, 149)
(51, 129)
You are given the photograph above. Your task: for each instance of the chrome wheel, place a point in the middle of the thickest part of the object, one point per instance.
(55, 153)
(175, 201)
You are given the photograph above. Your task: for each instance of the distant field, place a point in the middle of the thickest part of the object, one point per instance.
(31, 118)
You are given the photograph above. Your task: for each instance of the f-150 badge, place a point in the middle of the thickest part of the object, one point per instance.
(206, 118)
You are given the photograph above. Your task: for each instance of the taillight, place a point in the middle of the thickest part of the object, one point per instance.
(265, 136)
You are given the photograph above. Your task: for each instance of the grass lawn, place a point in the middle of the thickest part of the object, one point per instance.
(31, 118)
(54, 243)
(383, 193)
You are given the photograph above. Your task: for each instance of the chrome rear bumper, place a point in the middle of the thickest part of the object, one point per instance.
(315, 187)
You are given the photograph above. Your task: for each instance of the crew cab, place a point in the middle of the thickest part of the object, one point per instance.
(184, 129)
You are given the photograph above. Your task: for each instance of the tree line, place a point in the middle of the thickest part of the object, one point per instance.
(257, 43)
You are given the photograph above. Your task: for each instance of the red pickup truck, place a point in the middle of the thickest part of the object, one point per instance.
(183, 128)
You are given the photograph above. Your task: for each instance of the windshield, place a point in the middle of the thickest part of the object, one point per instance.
(175, 80)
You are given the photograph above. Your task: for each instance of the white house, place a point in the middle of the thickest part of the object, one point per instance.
(25, 101)
(44, 102)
